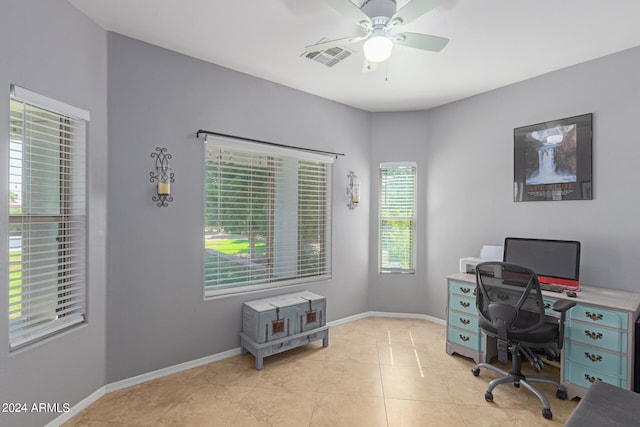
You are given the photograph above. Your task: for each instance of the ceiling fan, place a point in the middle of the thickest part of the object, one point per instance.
(378, 18)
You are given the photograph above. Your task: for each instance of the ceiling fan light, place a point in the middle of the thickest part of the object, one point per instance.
(377, 48)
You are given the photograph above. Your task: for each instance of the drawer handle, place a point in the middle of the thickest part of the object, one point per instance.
(593, 335)
(464, 338)
(465, 290)
(593, 357)
(464, 321)
(591, 379)
(465, 304)
(593, 316)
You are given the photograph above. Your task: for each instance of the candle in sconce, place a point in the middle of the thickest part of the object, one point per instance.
(164, 188)
(353, 190)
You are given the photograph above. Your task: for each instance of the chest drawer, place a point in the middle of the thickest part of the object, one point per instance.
(599, 316)
(461, 288)
(610, 339)
(465, 304)
(473, 340)
(596, 359)
(463, 320)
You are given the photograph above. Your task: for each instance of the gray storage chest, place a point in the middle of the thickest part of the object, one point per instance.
(275, 324)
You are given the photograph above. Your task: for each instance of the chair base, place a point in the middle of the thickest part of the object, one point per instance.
(517, 378)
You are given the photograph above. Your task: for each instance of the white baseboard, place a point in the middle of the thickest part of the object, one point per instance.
(77, 408)
(349, 319)
(387, 314)
(154, 375)
(408, 316)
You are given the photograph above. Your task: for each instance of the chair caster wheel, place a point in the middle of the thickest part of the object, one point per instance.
(547, 413)
(488, 396)
(561, 394)
(475, 371)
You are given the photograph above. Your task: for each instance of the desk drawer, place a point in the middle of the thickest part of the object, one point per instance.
(468, 305)
(463, 320)
(610, 339)
(584, 377)
(460, 288)
(596, 360)
(473, 340)
(599, 316)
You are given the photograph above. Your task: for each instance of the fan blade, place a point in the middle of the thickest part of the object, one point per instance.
(331, 43)
(369, 66)
(421, 41)
(415, 9)
(348, 9)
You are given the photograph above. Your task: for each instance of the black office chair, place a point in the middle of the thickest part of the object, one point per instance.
(511, 309)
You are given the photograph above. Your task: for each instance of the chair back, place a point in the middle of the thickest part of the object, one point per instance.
(508, 298)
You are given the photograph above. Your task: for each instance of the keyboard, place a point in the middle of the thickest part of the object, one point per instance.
(552, 287)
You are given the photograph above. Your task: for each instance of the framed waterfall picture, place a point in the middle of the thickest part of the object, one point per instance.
(552, 160)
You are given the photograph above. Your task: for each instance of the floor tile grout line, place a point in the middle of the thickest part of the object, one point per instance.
(384, 396)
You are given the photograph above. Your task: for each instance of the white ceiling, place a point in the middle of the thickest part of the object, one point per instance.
(493, 43)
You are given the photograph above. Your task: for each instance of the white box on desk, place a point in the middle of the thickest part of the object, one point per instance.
(468, 264)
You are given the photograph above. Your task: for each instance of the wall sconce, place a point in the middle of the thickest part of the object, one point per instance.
(353, 190)
(164, 176)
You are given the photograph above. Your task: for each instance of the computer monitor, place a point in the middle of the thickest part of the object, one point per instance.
(554, 261)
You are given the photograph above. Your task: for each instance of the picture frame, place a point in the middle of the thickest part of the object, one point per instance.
(553, 160)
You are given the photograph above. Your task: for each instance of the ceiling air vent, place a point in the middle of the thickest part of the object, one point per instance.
(329, 57)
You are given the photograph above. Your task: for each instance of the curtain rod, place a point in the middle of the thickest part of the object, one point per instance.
(207, 132)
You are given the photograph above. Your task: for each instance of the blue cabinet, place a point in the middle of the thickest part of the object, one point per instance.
(463, 333)
(597, 346)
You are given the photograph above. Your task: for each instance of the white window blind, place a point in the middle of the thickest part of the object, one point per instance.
(397, 217)
(267, 216)
(47, 216)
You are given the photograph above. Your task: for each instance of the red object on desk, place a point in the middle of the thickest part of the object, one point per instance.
(571, 285)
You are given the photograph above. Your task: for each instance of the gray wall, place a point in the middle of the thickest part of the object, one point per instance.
(399, 137)
(465, 152)
(152, 313)
(50, 48)
(156, 313)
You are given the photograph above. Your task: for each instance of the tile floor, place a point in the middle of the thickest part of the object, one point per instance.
(376, 372)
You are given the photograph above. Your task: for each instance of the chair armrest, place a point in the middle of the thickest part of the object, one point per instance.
(562, 305)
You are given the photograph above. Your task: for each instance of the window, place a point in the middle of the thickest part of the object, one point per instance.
(397, 215)
(47, 218)
(267, 216)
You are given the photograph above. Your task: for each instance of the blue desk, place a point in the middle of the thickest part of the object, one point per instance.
(598, 345)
